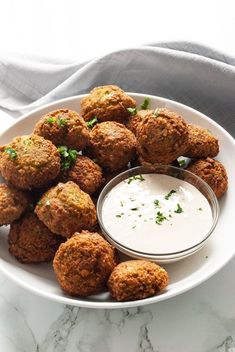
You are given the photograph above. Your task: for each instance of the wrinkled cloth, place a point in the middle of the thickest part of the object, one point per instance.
(192, 74)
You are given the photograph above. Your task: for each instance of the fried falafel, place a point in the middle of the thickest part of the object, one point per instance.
(29, 162)
(201, 143)
(30, 241)
(13, 204)
(65, 209)
(85, 173)
(107, 103)
(162, 136)
(212, 172)
(83, 264)
(63, 127)
(137, 279)
(112, 145)
(134, 120)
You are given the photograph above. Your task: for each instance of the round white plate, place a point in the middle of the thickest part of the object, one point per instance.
(184, 274)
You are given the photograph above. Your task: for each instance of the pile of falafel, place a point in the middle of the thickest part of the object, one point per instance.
(54, 176)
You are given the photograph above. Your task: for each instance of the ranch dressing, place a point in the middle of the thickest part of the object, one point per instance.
(156, 214)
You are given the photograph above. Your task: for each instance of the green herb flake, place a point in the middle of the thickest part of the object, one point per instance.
(67, 157)
(121, 203)
(132, 111)
(61, 121)
(182, 162)
(139, 215)
(118, 216)
(167, 197)
(160, 218)
(178, 210)
(157, 203)
(136, 177)
(145, 104)
(91, 123)
(134, 209)
(133, 227)
(170, 216)
(50, 120)
(11, 152)
(200, 209)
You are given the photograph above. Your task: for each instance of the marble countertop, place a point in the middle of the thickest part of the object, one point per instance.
(200, 320)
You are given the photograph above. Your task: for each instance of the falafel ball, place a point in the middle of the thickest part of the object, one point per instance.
(83, 264)
(65, 209)
(30, 241)
(30, 162)
(134, 120)
(162, 136)
(107, 103)
(137, 279)
(202, 143)
(63, 127)
(212, 172)
(13, 204)
(112, 145)
(85, 173)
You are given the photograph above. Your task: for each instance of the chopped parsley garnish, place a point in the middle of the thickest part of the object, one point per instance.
(160, 218)
(12, 153)
(178, 210)
(182, 162)
(61, 121)
(170, 194)
(134, 209)
(200, 209)
(145, 104)
(155, 113)
(132, 111)
(157, 203)
(136, 177)
(50, 120)
(121, 203)
(119, 215)
(170, 216)
(133, 227)
(91, 123)
(67, 157)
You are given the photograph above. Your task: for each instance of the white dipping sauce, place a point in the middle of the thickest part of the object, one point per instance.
(156, 215)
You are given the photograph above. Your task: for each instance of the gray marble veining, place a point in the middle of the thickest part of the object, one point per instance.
(201, 320)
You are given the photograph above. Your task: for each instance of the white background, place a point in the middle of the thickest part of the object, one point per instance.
(80, 30)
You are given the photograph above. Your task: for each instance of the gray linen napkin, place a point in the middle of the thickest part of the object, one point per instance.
(189, 73)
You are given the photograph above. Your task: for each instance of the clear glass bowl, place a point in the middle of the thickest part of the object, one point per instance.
(169, 170)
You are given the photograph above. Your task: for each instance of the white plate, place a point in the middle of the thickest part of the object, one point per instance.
(184, 274)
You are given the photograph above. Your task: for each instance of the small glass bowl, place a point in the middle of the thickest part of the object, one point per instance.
(169, 170)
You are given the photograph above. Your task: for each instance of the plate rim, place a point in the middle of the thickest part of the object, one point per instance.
(116, 305)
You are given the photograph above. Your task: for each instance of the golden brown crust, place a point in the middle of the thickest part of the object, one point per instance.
(30, 241)
(36, 163)
(112, 145)
(134, 121)
(63, 127)
(212, 172)
(13, 204)
(162, 137)
(137, 279)
(202, 143)
(85, 173)
(65, 209)
(83, 264)
(107, 103)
